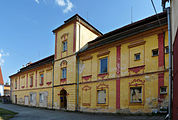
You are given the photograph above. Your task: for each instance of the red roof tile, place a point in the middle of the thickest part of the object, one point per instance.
(1, 78)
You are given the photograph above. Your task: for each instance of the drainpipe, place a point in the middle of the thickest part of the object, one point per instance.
(170, 64)
(53, 86)
(78, 62)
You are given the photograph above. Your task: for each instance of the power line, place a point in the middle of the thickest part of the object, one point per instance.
(156, 12)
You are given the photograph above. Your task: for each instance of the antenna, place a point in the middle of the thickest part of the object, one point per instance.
(131, 15)
(87, 15)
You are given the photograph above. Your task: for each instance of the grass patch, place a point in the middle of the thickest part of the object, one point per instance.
(6, 114)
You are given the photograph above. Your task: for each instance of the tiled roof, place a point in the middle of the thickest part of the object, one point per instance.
(1, 78)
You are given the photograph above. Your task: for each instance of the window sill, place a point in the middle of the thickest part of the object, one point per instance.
(86, 77)
(102, 75)
(155, 55)
(63, 80)
(137, 60)
(64, 51)
(48, 83)
(102, 104)
(136, 103)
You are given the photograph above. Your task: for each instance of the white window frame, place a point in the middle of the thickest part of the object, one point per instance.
(41, 97)
(131, 96)
(99, 97)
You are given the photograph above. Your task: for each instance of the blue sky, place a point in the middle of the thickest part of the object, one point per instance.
(26, 25)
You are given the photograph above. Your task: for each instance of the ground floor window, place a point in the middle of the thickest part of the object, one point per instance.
(136, 94)
(41, 96)
(101, 96)
(31, 97)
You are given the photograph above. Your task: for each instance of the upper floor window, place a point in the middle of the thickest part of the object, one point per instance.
(64, 43)
(104, 65)
(64, 73)
(137, 56)
(41, 79)
(31, 81)
(16, 84)
(155, 52)
(167, 50)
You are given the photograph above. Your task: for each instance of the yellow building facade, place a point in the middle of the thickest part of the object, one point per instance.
(124, 71)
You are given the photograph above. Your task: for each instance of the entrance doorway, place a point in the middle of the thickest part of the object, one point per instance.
(63, 99)
(15, 99)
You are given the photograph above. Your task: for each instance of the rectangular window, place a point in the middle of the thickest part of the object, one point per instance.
(136, 94)
(104, 65)
(41, 79)
(15, 84)
(65, 46)
(31, 81)
(31, 97)
(64, 72)
(137, 56)
(41, 97)
(166, 50)
(101, 96)
(155, 52)
(163, 90)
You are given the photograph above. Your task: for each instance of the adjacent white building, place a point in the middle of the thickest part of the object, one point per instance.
(1, 84)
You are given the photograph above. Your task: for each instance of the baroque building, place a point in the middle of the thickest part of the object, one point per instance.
(125, 70)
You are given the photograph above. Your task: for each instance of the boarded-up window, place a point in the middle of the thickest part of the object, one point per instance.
(86, 96)
(87, 67)
(101, 96)
(136, 94)
(49, 75)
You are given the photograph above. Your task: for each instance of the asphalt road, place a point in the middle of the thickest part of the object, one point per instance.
(28, 113)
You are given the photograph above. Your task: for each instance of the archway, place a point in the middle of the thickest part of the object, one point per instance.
(63, 99)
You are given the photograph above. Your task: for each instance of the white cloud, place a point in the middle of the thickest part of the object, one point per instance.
(66, 4)
(69, 6)
(2, 54)
(61, 2)
(37, 1)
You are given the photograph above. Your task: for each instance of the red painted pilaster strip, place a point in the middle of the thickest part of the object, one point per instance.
(55, 45)
(36, 79)
(160, 62)
(27, 81)
(74, 38)
(118, 62)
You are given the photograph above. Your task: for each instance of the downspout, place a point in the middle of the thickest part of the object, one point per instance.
(170, 64)
(53, 86)
(78, 62)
